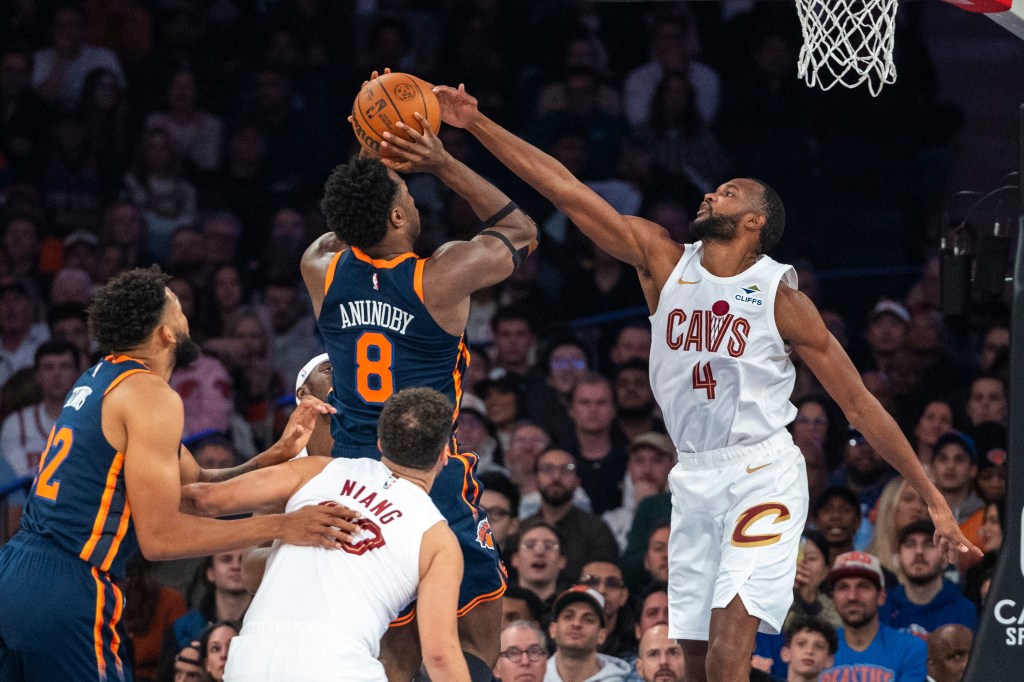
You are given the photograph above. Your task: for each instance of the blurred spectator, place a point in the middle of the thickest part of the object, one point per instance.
(81, 252)
(578, 629)
(930, 342)
(24, 116)
(71, 285)
(288, 239)
(818, 435)
(527, 444)
(224, 598)
(475, 432)
(208, 395)
(864, 472)
(596, 282)
(886, 333)
(539, 560)
(584, 537)
(633, 342)
(925, 600)
(995, 341)
(523, 653)
(899, 505)
(949, 648)
(215, 452)
(637, 408)
(520, 603)
(653, 608)
(658, 657)
(222, 232)
(987, 401)
(19, 249)
(72, 185)
(198, 135)
(500, 499)
(810, 648)
(187, 665)
(809, 596)
(124, 226)
(656, 556)
(990, 484)
(125, 26)
(227, 297)
(157, 185)
(579, 52)
(501, 398)
(954, 468)
(866, 646)
(935, 420)
(651, 457)
(978, 577)
(601, 451)
(59, 71)
(673, 45)
(68, 322)
(24, 434)
(256, 384)
(836, 515)
(650, 514)
(104, 112)
(293, 326)
(149, 609)
(20, 334)
(214, 645)
(515, 342)
(606, 578)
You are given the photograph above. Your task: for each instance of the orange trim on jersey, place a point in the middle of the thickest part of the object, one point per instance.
(118, 359)
(101, 515)
(122, 530)
(417, 279)
(465, 479)
(330, 270)
(380, 262)
(97, 627)
(402, 621)
(463, 351)
(115, 642)
(122, 377)
(483, 598)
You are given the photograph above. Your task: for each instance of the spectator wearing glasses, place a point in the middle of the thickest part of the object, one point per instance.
(524, 654)
(500, 499)
(579, 628)
(539, 560)
(585, 536)
(606, 579)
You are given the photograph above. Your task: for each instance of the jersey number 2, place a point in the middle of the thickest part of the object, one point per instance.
(62, 440)
(375, 357)
(703, 378)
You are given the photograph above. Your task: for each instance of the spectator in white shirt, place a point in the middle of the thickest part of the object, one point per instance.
(59, 71)
(20, 335)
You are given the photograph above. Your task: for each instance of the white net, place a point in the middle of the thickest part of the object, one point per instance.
(847, 42)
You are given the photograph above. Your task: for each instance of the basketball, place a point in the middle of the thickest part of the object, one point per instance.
(389, 99)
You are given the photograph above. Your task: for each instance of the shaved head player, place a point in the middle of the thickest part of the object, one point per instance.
(724, 318)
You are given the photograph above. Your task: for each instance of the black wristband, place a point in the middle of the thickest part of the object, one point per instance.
(494, 219)
(517, 258)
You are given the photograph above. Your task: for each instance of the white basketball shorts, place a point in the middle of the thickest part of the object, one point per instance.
(737, 517)
(279, 651)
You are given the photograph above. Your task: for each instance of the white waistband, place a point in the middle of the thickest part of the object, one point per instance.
(716, 459)
(287, 629)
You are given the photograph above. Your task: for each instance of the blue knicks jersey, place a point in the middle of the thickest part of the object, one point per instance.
(381, 339)
(78, 498)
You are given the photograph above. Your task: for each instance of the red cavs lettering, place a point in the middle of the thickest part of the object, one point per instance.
(700, 334)
(382, 509)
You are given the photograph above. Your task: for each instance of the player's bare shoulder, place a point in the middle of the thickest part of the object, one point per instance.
(660, 251)
(797, 317)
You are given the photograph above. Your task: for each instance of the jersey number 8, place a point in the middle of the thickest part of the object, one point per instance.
(375, 355)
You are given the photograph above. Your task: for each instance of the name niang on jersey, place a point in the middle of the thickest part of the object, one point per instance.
(374, 314)
(381, 508)
(705, 333)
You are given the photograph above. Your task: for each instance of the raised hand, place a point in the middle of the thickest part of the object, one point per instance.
(458, 107)
(301, 424)
(421, 153)
(321, 525)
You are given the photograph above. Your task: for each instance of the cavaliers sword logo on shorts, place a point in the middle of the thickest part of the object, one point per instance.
(751, 516)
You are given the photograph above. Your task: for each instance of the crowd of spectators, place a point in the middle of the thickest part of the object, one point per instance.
(198, 135)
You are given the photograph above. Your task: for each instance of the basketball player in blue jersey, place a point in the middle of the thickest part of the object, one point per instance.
(109, 482)
(390, 321)
(724, 317)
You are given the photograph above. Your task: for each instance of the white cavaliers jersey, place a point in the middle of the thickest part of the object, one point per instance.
(719, 369)
(352, 593)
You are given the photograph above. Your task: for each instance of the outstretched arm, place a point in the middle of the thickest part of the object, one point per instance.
(257, 491)
(508, 237)
(800, 325)
(316, 261)
(632, 240)
(296, 435)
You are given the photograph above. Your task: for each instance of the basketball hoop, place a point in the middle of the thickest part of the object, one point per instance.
(847, 42)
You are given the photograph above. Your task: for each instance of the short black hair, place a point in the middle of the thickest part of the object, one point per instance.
(842, 492)
(358, 196)
(66, 310)
(635, 365)
(774, 216)
(809, 624)
(498, 482)
(652, 587)
(533, 603)
(56, 347)
(127, 310)
(414, 427)
(513, 312)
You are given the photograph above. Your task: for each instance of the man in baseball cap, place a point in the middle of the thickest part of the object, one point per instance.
(867, 649)
(578, 629)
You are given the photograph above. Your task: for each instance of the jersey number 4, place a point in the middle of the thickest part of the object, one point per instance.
(62, 440)
(703, 378)
(375, 359)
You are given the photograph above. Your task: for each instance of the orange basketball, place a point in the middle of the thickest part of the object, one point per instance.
(388, 99)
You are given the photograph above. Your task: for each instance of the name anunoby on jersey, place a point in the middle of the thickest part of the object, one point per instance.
(380, 508)
(369, 313)
(702, 333)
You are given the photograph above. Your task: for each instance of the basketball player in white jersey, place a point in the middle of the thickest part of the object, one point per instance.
(320, 616)
(724, 319)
